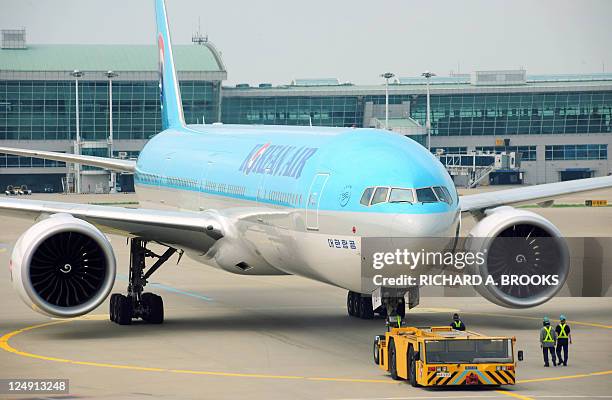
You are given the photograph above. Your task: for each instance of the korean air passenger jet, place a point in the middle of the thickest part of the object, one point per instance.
(256, 200)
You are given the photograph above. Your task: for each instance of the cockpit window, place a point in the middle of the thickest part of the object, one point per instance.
(401, 196)
(383, 194)
(426, 195)
(367, 195)
(443, 194)
(380, 196)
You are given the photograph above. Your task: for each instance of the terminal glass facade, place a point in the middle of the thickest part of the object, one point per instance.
(11, 161)
(294, 110)
(503, 114)
(45, 110)
(467, 114)
(577, 152)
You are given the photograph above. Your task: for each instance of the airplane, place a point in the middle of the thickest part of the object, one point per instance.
(257, 200)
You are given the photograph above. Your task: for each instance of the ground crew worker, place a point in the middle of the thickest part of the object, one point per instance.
(547, 342)
(563, 335)
(392, 320)
(457, 324)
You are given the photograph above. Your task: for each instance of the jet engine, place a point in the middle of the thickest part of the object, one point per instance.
(63, 266)
(525, 255)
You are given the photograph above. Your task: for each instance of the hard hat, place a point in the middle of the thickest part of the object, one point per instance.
(455, 316)
(562, 317)
(546, 320)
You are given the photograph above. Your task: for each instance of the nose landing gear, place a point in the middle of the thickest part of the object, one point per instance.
(360, 306)
(392, 303)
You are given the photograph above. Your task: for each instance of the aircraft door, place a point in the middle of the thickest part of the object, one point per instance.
(166, 198)
(261, 187)
(313, 201)
(205, 186)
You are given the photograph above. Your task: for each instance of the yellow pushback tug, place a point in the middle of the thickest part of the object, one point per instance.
(441, 356)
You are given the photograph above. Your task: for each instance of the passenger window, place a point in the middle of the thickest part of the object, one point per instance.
(401, 196)
(443, 194)
(365, 198)
(380, 196)
(426, 195)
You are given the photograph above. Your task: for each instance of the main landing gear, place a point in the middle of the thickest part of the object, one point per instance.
(147, 306)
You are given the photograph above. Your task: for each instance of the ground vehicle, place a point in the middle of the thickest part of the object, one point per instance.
(12, 190)
(441, 356)
(23, 190)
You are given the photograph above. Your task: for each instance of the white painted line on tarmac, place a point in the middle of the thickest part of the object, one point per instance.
(569, 396)
(171, 289)
(427, 397)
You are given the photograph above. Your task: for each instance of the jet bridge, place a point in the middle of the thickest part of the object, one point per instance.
(473, 168)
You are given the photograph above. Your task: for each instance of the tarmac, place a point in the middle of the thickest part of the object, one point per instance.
(232, 337)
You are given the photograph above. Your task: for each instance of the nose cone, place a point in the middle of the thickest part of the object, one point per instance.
(442, 224)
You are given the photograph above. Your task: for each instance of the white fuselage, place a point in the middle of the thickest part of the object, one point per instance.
(283, 244)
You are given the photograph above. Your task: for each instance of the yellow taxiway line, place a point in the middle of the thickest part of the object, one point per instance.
(6, 346)
(515, 395)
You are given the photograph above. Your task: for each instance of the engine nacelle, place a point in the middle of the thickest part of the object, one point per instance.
(63, 266)
(523, 244)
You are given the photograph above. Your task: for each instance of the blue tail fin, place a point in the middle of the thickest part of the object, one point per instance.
(170, 94)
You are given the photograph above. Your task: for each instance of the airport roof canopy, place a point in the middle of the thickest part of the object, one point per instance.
(439, 85)
(316, 82)
(127, 58)
(434, 80)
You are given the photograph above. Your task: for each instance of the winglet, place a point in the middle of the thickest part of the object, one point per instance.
(170, 94)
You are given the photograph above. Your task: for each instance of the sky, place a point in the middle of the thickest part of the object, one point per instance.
(354, 40)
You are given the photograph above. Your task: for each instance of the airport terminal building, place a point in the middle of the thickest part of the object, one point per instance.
(559, 126)
(39, 85)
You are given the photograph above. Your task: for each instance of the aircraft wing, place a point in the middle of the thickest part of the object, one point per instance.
(531, 194)
(196, 230)
(104, 162)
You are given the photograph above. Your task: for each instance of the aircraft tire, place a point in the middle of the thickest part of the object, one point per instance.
(124, 310)
(350, 304)
(113, 307)
(154, 306)
(365, 308)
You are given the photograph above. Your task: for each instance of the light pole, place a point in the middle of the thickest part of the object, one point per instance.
(387, 76)
(427, 76)
(110, 75)
(77, 147)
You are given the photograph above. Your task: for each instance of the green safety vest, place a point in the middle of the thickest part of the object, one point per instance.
(457, 324)
(548, 338)
(562, 334)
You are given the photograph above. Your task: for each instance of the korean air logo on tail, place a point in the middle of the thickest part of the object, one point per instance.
(160, 47)
(277, 160)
